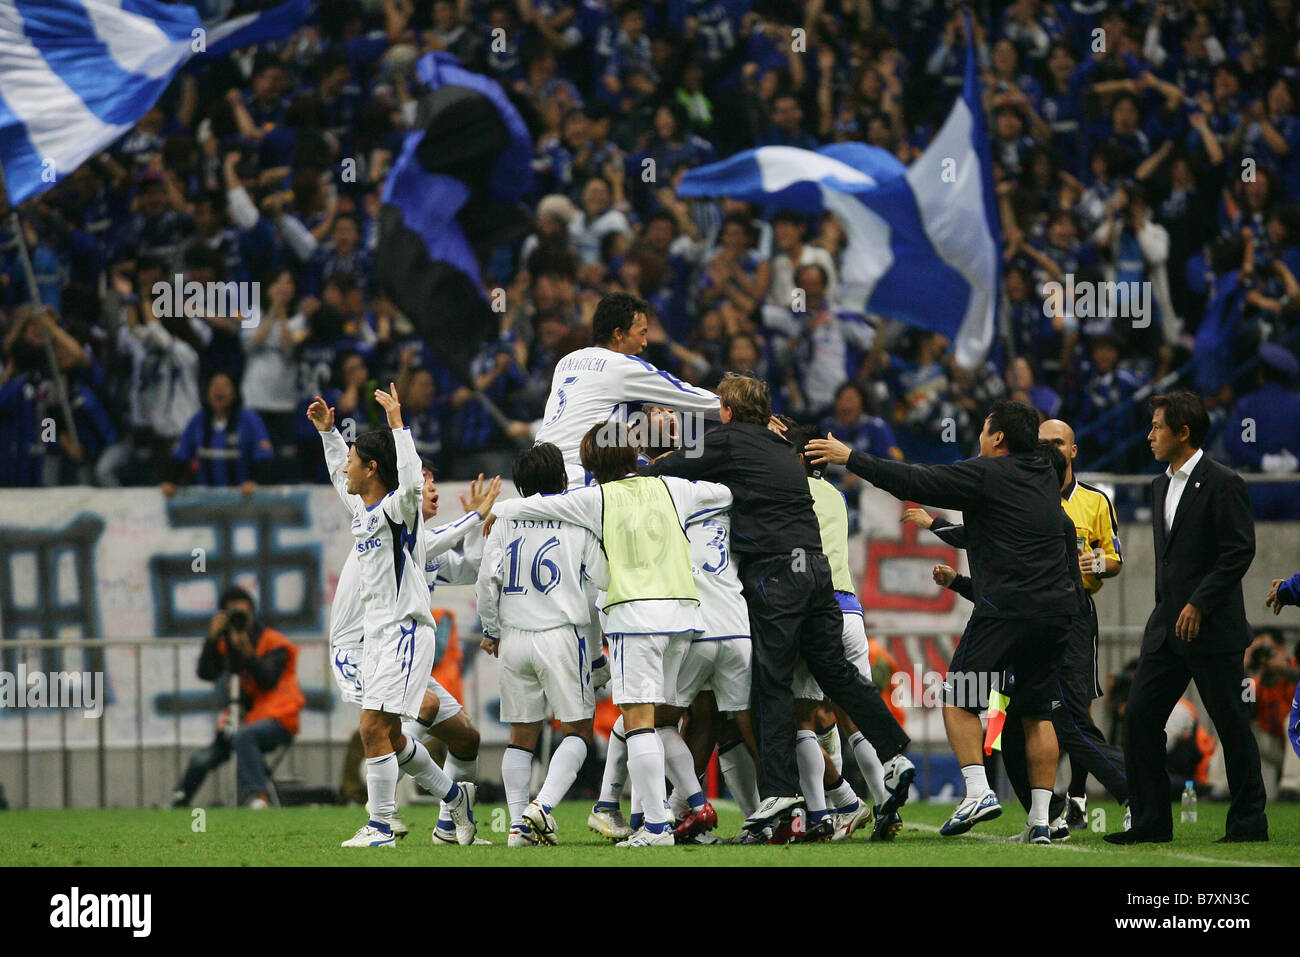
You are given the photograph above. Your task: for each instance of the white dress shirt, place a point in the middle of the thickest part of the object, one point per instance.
(1177, 483)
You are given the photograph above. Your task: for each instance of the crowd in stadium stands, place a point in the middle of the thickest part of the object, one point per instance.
(1147, 142)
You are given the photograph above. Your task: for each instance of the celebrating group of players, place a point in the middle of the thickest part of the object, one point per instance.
(597, 574)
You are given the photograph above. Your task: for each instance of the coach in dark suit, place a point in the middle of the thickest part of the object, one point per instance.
(1204, 542)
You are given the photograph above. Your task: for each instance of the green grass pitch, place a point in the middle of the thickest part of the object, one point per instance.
(311, 836)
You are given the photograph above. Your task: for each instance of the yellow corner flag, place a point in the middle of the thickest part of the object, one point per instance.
(998, 703)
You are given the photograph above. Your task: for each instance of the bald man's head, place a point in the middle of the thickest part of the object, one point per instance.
(1061, 435)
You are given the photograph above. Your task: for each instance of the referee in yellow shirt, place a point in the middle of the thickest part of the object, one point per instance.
(1100, 557)
(1097, 535)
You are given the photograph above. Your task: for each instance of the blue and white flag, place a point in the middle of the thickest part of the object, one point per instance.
(452, 197)
(922, 240)
(77, 74)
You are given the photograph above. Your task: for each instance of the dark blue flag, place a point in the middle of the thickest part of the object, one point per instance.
(452, 196)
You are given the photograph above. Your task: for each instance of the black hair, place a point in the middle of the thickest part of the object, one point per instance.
(1017, 422)
(340, 360)
(1047, 450)
(790, 216)
(1183, 408)
(379, 447)
(428, 464)
(233, 593)
(539, 469)
(618, 310)
(799, 436)
(232, 416)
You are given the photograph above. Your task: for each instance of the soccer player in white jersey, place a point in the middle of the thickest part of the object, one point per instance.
(719, 659)
(452, 555)
(600, 383)
(379, 480)
(441, 715)
(652, 603)
(833, 807)
(536, 616)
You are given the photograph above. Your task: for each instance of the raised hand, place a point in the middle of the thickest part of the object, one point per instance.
(390, 404)
(321, 415)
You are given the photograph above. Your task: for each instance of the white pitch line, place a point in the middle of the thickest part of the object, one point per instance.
(1097, 850)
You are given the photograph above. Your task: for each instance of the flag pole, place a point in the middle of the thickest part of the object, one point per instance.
(60, 386)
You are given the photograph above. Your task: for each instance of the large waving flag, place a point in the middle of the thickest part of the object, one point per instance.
(922, 239)
(452, 196)
(77, 74)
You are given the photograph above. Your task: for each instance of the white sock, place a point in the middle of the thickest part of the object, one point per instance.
(812, 765)
(415, 731)
(830, 743)
(458, 770)
(381, 789)
(645, 766)
(1039, 801)
(869, 765)
(741, 775)
(976, 781)
(634, 805)
(461, 769)
(680, 765)
(516, 769)
(611, 783)
(842, 796)
(566, 762)
(415, 761)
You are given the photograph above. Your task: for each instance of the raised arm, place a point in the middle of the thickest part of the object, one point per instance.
(945, 486)
(642, 382)
(581, 506)
(336, 450)
(443, 538)
(404, 504)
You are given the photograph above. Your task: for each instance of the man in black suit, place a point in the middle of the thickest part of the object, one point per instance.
(1204, 542)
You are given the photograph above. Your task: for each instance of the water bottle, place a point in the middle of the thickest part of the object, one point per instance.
(1189, 803)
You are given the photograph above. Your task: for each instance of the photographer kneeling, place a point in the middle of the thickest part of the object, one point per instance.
(269, 697)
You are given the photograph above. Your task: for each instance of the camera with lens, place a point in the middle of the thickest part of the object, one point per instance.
(237, 620)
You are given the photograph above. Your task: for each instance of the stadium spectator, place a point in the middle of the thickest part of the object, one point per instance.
(240, 172)
(224, 444)
(268, 700)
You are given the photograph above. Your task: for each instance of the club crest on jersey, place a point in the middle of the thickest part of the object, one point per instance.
(373, 523)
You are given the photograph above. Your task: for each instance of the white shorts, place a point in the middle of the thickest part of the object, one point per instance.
(722, 666)
(395, 666)
(856, 650)
(346, 668)
(546, 672)
(346, 660)
(448, 707)
(643, 666)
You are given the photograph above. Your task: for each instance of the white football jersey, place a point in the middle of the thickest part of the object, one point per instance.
(346, 627)
(694, 501)
(442, 565)
(444, 562)
(595, 385)
(388, 539)
(533, 575)
(722, 601)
